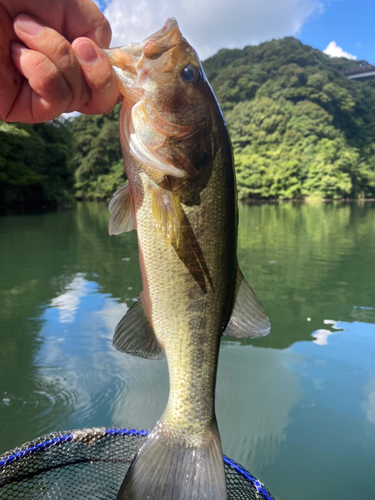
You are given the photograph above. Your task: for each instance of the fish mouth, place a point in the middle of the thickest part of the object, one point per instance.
(130, 61)
(145, 129)
(162, 40)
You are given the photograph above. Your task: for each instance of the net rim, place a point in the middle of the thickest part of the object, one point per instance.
(25, 451)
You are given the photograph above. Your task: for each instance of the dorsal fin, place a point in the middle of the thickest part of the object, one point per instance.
(248, 318)
(122, 210)
(134, 335)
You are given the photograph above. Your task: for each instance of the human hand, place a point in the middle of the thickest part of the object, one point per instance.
(43, 74)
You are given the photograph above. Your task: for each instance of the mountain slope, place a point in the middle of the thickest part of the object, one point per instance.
(299, 128)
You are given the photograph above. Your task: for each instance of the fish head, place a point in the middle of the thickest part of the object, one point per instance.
(168, 103)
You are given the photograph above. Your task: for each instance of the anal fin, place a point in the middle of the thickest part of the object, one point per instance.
(248, 317)
(135, 336)
(122, 209)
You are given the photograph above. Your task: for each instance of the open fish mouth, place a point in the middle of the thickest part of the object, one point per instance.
(155, 123)
(154, 45)
(130, 61)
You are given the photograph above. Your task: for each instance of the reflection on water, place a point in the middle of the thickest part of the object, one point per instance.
(368, 405)
(308, 262)
(253, 426)
(67, 303)
(297, 408)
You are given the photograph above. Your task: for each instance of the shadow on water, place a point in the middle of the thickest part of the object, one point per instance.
(293, 407)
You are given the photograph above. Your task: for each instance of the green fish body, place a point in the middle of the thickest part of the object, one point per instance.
(181, 199)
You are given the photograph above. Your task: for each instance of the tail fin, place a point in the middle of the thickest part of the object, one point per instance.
(167, 468)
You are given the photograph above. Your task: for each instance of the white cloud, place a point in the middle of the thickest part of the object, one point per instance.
(321, 336)
(333, 50)
(111, 313)
(69, 116)
(211, 24)
(68, 302)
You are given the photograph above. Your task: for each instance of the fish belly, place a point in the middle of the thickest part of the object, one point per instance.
(188, 295)
(188, 291)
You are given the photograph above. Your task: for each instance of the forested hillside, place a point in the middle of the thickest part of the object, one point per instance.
(299, 129)
(35, 164)
(99, 169)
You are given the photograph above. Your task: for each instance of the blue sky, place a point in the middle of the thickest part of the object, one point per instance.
(213, 24)
(349, 23)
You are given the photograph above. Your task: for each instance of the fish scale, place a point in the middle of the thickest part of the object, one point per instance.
(178, 303)
(181, 198)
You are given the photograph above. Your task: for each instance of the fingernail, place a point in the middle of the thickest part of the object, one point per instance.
(16, 49)
(86, 53)
(29, 25)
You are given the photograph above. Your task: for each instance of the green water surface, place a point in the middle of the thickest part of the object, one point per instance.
(296, 408)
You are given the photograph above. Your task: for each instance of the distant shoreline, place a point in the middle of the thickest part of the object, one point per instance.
(28, 209)
(306, 200)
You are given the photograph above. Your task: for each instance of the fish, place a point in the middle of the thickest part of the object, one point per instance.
(181, 198)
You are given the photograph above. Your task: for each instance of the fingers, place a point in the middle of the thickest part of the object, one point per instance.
(99, 77)
(54, 48)
(59, 77)
(60, 86)
(87, 21)
(10, 79)
(44, 94)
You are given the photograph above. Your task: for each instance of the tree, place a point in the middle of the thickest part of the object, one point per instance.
(299, 128)
(35, 163)
(98, 159)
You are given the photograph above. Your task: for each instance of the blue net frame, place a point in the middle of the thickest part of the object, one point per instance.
(91, 464)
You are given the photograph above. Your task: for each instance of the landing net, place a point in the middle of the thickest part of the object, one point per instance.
(91, 464)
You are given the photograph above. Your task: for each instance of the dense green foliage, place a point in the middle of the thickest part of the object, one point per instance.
(35, 163)
(299, 128)
(99, 169)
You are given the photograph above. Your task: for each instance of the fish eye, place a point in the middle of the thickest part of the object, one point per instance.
(191, 74)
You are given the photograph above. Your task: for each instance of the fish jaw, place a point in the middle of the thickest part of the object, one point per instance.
(169, 120)
(131, 64)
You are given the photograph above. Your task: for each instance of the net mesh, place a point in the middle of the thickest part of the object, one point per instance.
(90, 464)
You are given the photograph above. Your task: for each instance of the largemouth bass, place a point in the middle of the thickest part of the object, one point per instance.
(181, 198)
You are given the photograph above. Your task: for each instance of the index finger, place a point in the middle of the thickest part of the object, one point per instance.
(70, 18)
(58, 50)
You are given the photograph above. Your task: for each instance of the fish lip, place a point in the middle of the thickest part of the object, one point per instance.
(135, 49)
(165, 32)
(169, 26)
(128, 60)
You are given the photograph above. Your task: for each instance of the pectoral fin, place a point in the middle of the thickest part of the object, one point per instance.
(248, 318)
(122, 210)
(134, 334)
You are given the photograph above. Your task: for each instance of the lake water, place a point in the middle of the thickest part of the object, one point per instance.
(296, 408)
